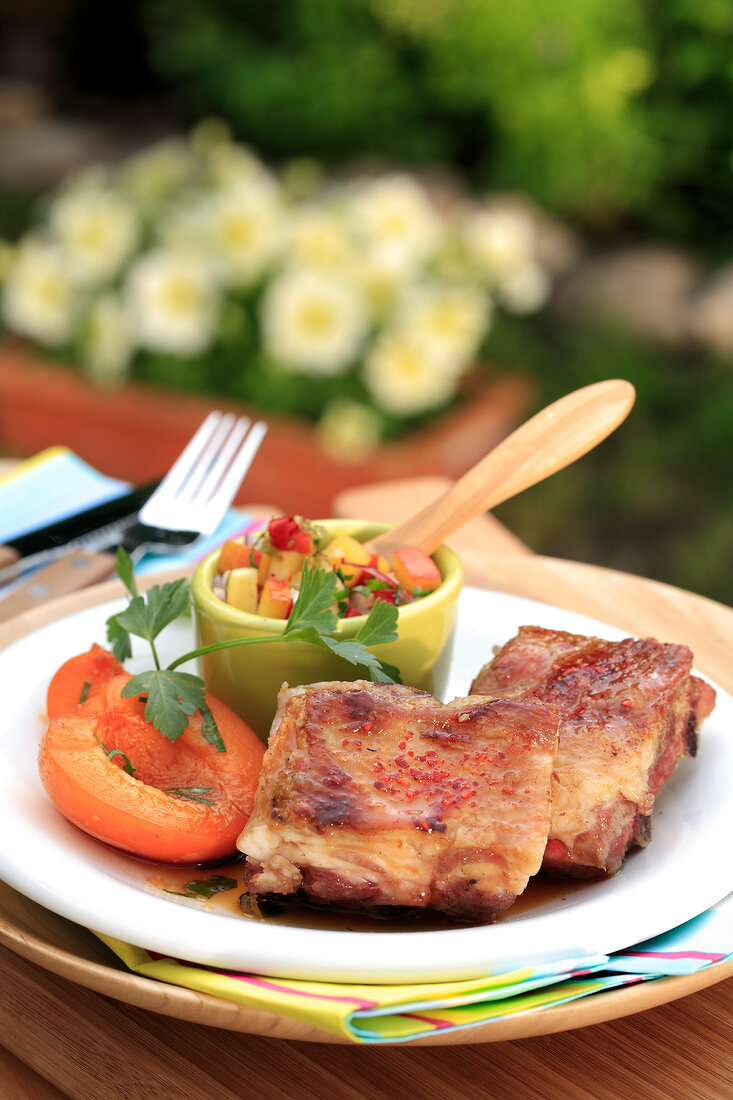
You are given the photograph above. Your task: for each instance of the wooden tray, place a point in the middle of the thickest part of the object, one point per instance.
(635, 605)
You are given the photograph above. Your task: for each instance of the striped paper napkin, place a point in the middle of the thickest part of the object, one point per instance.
(394, 1013)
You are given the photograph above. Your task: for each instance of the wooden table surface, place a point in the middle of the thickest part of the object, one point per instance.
(60, 1039)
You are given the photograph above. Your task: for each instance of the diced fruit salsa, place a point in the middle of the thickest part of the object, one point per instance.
(262, 574)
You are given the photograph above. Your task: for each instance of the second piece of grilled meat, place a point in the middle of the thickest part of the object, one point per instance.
(629, 711)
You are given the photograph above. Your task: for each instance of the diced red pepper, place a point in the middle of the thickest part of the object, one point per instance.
(282, 531)
(303, 542)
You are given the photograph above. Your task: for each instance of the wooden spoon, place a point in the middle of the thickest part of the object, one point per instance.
(546, 443)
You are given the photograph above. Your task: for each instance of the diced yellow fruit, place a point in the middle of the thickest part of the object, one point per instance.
(382, 564)
(242, 589)
(263, 569)
(345, 549)
(286, 564)
(275, 599)
(414, 569)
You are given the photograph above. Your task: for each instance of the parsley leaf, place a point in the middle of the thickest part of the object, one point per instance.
(172, 697)
(207, 887)
(313, 607)
(126, 570)
(146, 616)
(119, 639)
(112, 753)
(193, 794)
(380, 626)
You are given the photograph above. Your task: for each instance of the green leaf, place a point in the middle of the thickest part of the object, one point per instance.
(125, 570)
(313, 607)
(209, 728)
(172, 698)
(167, 603)
(207, 887)
(382, 672)
(111, 753)
(353, 651)
(193, 794)
(356, 653)
(118, 638)
(127, 766)
(147, 615)
(380, 625)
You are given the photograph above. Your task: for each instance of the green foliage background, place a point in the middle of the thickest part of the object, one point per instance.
(617, 113)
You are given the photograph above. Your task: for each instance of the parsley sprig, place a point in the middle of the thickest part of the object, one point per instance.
(172, 696)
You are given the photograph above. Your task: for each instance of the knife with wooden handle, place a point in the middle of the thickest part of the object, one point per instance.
(76, 569)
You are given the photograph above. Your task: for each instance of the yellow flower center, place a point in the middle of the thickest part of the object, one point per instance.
(238, 231)
(315, 318)
(50, 291)
(408, 363)
(91, 235)
(394, 223)
(179, 295)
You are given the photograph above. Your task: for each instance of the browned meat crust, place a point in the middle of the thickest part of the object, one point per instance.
(377, 795)
(629, 711)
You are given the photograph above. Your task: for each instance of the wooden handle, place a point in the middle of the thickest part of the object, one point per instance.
(8, 556)
(67, 574)
(546, 443)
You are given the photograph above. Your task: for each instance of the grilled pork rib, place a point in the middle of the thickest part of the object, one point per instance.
(629, 711)
(377, 795)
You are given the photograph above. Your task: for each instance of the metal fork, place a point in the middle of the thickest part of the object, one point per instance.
(193, 497)
(189, 504)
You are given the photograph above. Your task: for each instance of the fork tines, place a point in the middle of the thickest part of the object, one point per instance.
(202, 483)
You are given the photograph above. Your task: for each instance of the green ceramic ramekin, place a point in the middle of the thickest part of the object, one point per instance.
(248, 678)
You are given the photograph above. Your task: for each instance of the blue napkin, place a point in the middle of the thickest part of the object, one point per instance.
(57, 483)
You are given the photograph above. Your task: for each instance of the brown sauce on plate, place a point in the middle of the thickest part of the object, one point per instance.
(174, 879)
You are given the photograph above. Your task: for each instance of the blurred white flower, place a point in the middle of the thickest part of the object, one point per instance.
(155, 174)
(349, 430)
(7, 258)
(405, 375)
(382, 278)
(97, 229)
(452, 319)
(172, 302)
(313, 321)
(38, 296)
(394, 218)
(232, 166)
(107, 344)
(317, 237)
(243, 230)
(526, 289)
(500, 241)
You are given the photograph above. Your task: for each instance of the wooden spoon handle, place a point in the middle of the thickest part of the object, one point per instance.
(546, 443)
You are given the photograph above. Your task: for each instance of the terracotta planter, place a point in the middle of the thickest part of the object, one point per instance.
(136, 432)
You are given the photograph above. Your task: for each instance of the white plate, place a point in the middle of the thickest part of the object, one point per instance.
(680, 874)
